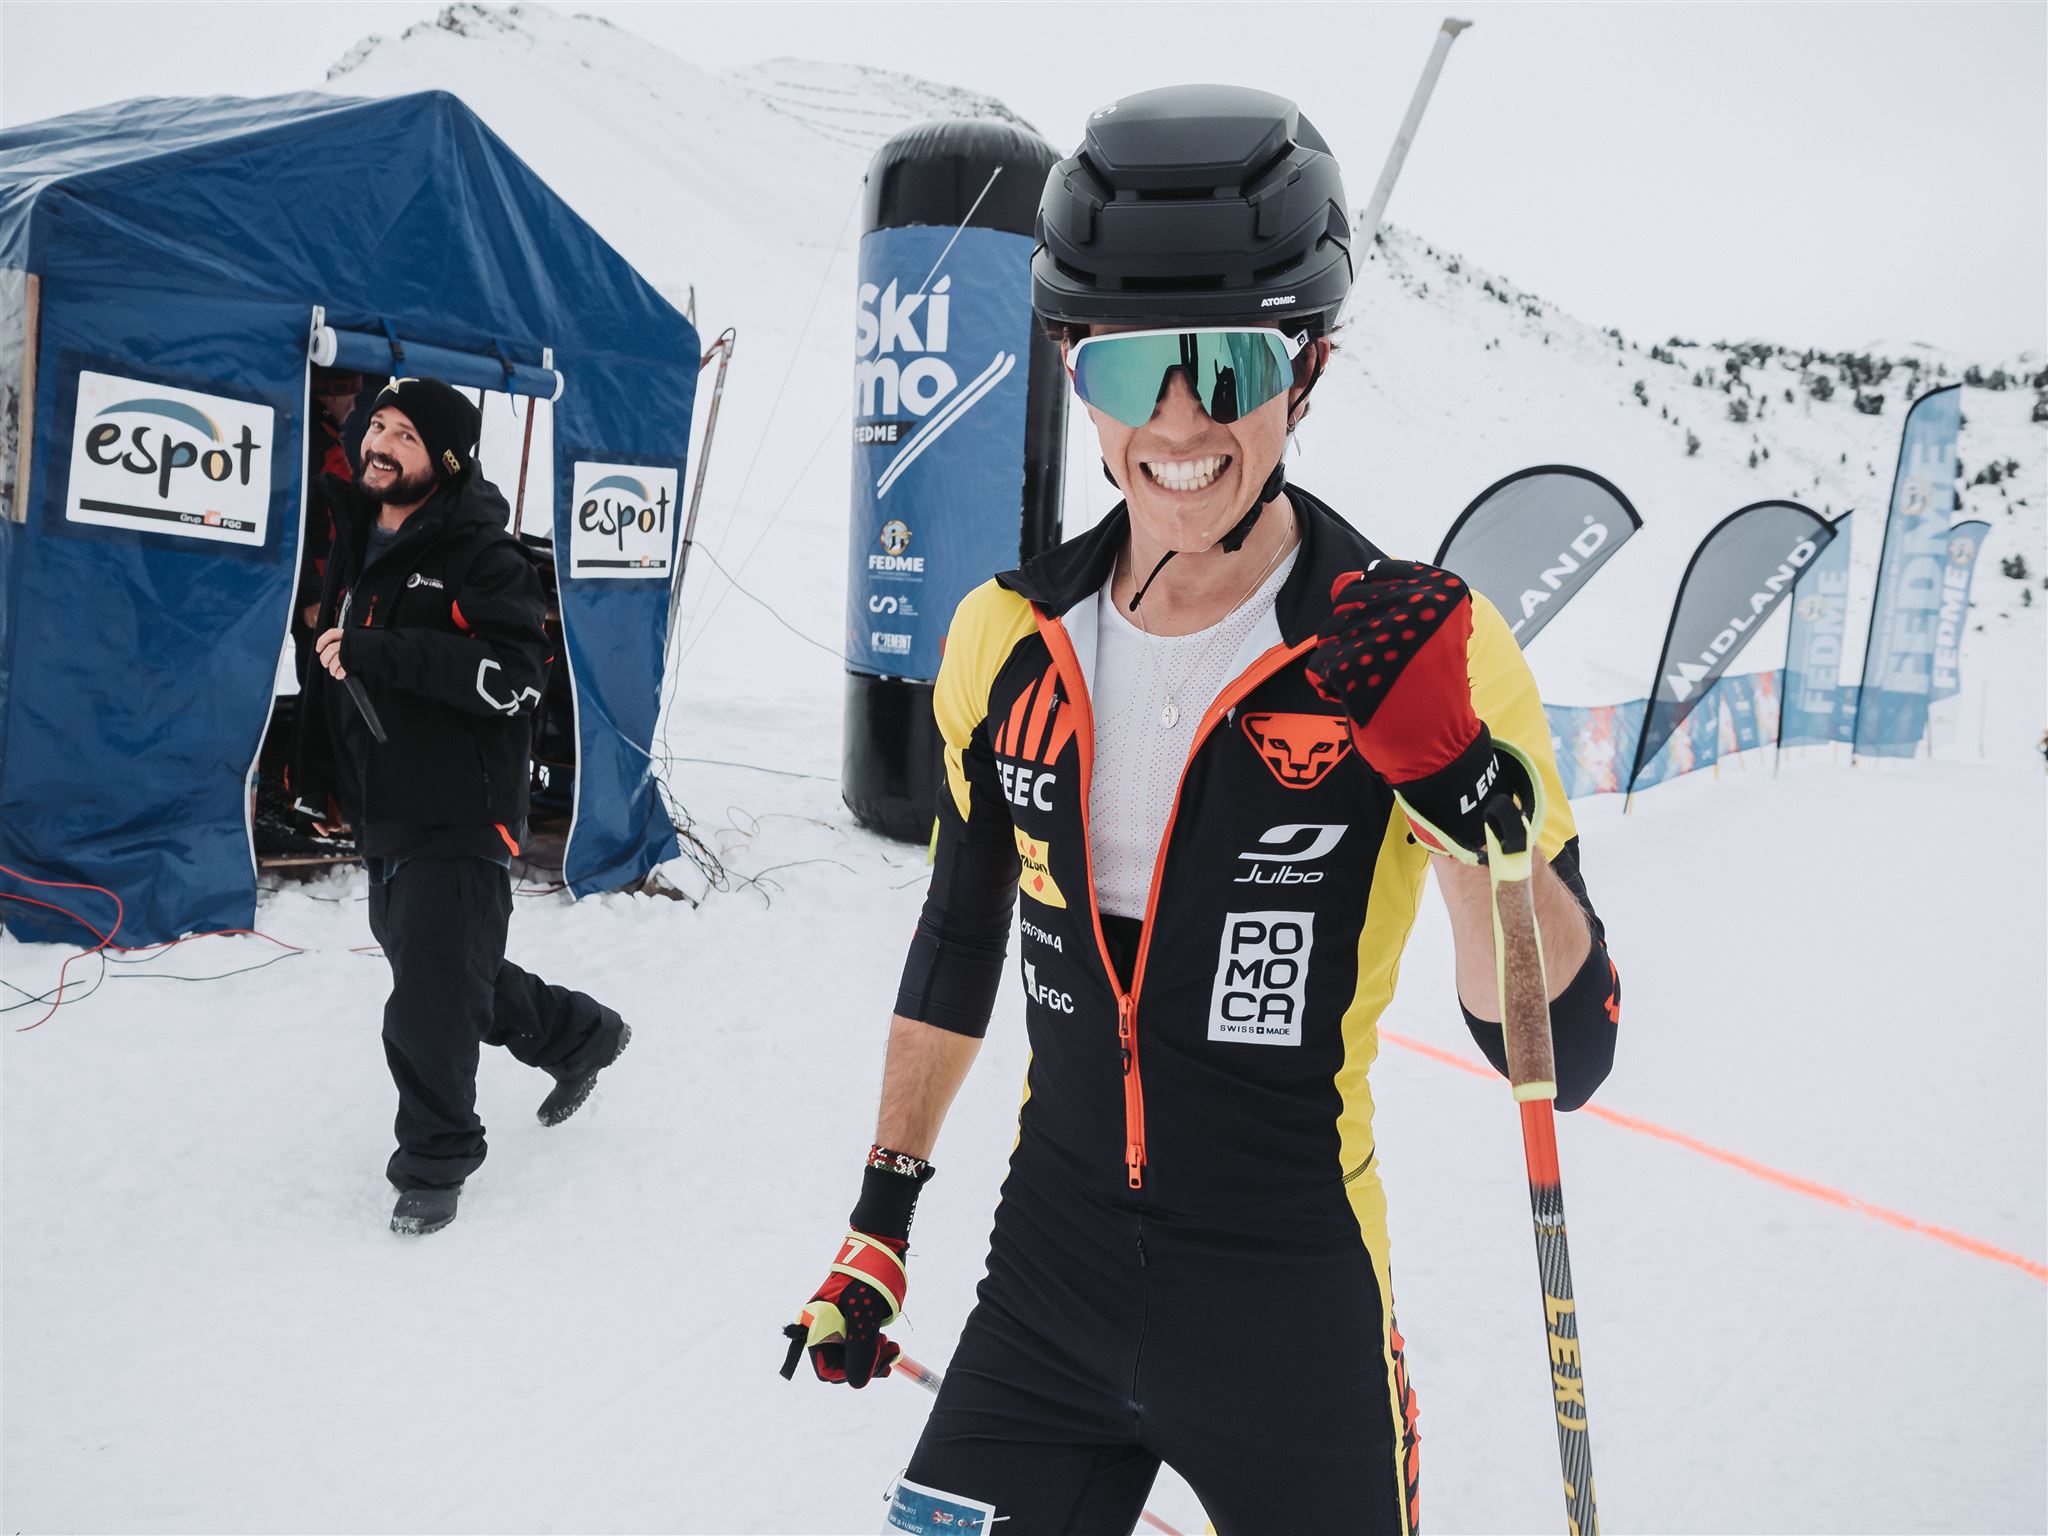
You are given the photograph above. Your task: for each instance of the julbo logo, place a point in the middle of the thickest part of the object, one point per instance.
(1275, 850)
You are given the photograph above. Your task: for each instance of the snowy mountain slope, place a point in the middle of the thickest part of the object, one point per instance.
(208, 1329)
(743, 186)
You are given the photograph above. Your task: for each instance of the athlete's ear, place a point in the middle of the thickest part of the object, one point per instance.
(1318, 357)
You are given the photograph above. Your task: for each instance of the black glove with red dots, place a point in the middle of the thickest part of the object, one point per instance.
(1394, 659)
(841, 1325)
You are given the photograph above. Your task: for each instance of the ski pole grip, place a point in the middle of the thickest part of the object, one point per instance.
(1518, 954)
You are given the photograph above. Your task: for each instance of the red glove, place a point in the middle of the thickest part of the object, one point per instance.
(841, 1325)
(1394, 657)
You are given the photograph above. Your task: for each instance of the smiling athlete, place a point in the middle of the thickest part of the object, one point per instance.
(1216, 742)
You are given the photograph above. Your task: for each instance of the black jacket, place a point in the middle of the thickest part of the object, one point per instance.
(1219, 1063)
(444, 630)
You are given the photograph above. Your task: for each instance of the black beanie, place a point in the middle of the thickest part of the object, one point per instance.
(448, 424)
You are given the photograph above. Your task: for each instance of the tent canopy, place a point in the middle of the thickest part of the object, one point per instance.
(179, 249)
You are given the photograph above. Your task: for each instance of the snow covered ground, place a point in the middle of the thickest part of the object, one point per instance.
(1832, 973)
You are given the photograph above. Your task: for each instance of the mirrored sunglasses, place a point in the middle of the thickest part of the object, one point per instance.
(1233, 370)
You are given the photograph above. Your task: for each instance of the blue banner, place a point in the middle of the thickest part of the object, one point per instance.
(1814, 698)
(938, 435)
(1964, 540)
(1898, 664)
(1594, 743)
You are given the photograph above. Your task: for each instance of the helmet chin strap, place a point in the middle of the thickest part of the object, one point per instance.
(1232, 541)
(1241, 530)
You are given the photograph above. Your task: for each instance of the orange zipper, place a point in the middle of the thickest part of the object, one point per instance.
(1062, 648)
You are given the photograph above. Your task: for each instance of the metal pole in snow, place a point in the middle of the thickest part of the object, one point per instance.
(1369, 222)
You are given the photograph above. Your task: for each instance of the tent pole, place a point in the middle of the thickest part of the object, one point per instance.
(722, 350)
(25, 418)
(525, 450)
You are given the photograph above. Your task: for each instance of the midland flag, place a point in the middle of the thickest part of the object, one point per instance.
(1817, 707)
(1529, 542)
(1736, 579)
(1964, 540)
(1898, 663)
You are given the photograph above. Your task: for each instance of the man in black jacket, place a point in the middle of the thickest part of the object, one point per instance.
(435, 611)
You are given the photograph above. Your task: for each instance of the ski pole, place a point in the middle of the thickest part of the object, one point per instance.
(1532, 1070)
(931, 1380)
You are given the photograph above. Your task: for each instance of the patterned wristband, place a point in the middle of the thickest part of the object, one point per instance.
(884, 1160)
(888, 1193)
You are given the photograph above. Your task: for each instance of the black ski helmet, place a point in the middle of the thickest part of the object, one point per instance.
(1194, 203)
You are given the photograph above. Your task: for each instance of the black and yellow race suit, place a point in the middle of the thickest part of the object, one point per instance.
(1190, 1258)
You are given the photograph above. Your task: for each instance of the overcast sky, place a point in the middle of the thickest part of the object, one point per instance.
(1817, 174)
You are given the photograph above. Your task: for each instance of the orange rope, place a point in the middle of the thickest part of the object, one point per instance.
(1756, 1170)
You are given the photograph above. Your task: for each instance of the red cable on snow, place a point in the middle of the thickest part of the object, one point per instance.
(106, 939)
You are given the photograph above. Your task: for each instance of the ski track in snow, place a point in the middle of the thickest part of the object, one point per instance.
(1834, 972)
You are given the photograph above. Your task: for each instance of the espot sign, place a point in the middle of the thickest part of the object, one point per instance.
(156, 459)
(623, 521)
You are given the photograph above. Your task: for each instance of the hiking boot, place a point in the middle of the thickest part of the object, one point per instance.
(420, 1211)
(570, 1092)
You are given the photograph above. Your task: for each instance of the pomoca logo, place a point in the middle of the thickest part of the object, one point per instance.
(156, 452)
(1261, 986)
(630, 508)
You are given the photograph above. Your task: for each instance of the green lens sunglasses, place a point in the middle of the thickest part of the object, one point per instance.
(1233, 369)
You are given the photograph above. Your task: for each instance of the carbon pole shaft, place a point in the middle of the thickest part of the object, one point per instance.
(1369, 223)
(1532, 1070)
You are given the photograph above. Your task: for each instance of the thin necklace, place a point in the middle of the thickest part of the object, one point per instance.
(1169, 712)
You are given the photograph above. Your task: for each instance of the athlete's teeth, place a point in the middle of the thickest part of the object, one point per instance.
(1188, 475)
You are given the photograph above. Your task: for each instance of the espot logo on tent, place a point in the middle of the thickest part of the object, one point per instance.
(622, 522)
(156, 459)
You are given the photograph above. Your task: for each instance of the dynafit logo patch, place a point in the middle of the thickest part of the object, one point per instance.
(1300, 749)
(1034, 855)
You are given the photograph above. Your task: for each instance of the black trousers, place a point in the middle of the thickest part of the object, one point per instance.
(442, 924)
(1255, 1356)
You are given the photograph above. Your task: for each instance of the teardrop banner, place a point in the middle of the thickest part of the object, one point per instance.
(1964, 540)
(1817, 707)
(1898, 660)
(1530, 542)
(1734, 582)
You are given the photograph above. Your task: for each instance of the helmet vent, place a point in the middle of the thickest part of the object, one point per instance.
(1213, 281)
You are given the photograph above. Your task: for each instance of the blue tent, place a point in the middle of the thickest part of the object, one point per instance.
(163, 265)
